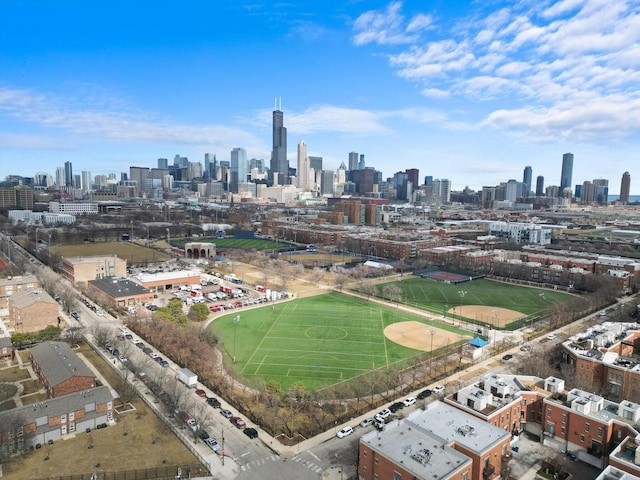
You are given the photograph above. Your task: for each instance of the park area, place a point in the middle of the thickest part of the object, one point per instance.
(480, 301)
(134, 254)
(231, 243)
(325, 339)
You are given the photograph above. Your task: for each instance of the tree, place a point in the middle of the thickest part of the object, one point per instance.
(368, 288)
(173, 312)
(392, 292)
(198, 312)
(340, 277)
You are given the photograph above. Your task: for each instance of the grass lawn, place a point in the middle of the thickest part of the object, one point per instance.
(439, 296)
(240, 243)
(132, 253)
(318, 340)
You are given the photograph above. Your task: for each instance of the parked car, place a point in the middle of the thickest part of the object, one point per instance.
(525, 348)
(438, 389)
(193, 425)
(409, 401)
(424, 394)
(394, 407)
(226, 413)
(552, 336)
(213, 445)
(508, 356)
(201, 393)
(203, 434)
(366, 422)
(238, 422)
(214, 402)
(344, 432)
(250, 432)
(384, 413)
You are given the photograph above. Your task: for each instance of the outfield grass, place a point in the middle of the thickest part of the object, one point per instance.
(240, 243)
(432, 296)
(318, 340)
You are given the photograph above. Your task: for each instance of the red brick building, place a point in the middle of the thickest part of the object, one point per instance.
(32, 310)
(60, 370)
(13, 285)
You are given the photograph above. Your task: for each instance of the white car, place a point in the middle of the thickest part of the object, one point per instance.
(552, 336)
(344, 432)
(409, 401)
(438, 389)
(366, 422)
(192, 424)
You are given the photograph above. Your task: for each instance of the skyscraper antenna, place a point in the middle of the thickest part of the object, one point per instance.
(280, 106)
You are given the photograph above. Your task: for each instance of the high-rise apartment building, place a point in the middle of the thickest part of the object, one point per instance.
(239, 169)
(540, 186)
(361, 164)
(353, 161)
(60, 177)
(68, 174)
(625, 187)
(602, 190)
(526, 181)
(326, 182)
(567, 171)
(210, 166)
(86, 181)
(279, 167)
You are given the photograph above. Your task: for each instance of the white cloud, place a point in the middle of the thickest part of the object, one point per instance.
(557, 69)
(389, 27)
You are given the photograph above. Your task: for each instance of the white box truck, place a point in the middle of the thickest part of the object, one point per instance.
(187, 377)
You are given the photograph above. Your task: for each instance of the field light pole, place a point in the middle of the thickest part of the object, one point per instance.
(432, 332)
(236, 319)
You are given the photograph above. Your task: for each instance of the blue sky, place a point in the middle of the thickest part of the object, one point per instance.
(470, 91)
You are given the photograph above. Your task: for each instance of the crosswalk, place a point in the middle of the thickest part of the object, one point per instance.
(274, 458)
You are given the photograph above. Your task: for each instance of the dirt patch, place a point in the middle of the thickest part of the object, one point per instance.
(496, 316)
(418, 336)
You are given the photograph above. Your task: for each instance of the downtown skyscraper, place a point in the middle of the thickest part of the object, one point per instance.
(567, 171)
(279, 167)
(625, 187)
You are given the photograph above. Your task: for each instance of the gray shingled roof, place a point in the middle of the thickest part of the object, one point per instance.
(5, 342)
(54, 407)
(58, 362)
(30, 297)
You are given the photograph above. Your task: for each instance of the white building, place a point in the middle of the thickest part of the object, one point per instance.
(523, 233)
(74, 208)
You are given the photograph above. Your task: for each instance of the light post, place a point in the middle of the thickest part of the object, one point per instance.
(432, 332)
(236, 319)
(444, 310)
(49, 250)
(222, 451)
(37, 228)
(131, 239)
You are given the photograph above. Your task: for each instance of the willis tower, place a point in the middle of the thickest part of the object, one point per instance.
(279, 167)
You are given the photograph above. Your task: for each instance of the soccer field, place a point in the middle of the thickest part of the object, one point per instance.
(440, 297)
(318, 340)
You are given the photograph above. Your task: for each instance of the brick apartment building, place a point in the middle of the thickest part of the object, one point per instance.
(60, 370)
(32, 310)
(6, 348)
(28, 426)
(83, 269)
(12, 285)
(439, 443)
(119, 292)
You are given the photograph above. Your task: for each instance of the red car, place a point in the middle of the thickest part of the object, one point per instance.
(201, 393)
(238, 422)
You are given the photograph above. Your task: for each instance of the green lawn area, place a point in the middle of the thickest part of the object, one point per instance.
(231, 243)
(128, 251)
(432, 296)
(318, 340)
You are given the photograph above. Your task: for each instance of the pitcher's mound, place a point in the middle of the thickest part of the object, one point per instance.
(418, 336)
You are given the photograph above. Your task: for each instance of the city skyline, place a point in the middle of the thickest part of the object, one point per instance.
(466, 92)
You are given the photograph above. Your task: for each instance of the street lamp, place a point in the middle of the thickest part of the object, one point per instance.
(236, 319)
(432, 332)
(49, 249)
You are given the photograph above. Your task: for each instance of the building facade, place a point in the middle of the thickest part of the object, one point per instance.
(83, 269)
(32, 311)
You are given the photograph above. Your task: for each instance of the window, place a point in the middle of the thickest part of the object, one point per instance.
(376, 460)
(486, 462)
(465, 476)
(600, 432)
(562, 430)
(564, 418)
(524, 402)
(587, 427)
(397, 476)
(20, 431)
(364, 453)
(581, 438)
(72, 416)
(63, 418)
(548, 413)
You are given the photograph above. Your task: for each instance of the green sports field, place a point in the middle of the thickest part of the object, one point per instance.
(239, 243)
(437, 296)
(318, 340)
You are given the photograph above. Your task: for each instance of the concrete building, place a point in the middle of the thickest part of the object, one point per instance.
(441, 442)
(60, 370)
(83, 269)
(32, 311)
(523, 233)
(12, 285)
(74, 208)
(164, 281)
(198, 250)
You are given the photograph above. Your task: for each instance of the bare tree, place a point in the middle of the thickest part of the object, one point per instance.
(340, 277)
(392, 292)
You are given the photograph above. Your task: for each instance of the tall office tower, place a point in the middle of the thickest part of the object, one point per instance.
(526, 181)
(401, 184)
(68, 174)
(194, 170)
(60, 177)
(588, 192)
(42, 179)
(414, 177)
(86, 180)
(513, 190)
(361, 162)
(163, 163)
(77, 181)
(180, 162)
(428, 180)
(540, 186)
(326, 182)
(124, 177)
(257, 163)
(353, 161)
(567, 171)
(315, 163)
(341, 174)
(210, 165)
(442, 189)
(625, 187)
(304, 179)
(602, 190)
(139, 175)
(239, 169)
(279, 163)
